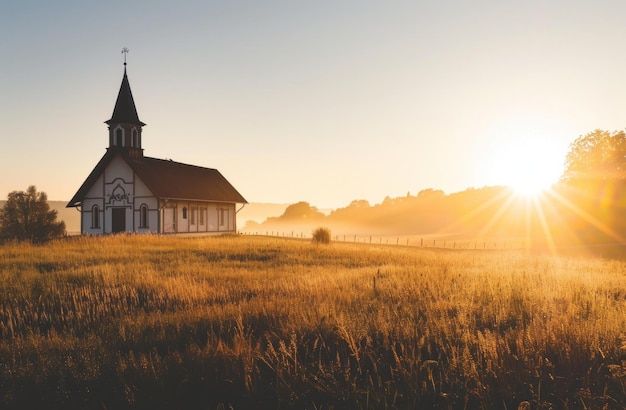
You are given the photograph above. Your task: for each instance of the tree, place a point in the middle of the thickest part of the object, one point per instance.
(302, 211)
(321, 235)
(26, 216)
(594, 181)
(599, 156)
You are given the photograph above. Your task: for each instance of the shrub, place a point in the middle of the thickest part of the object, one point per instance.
(321, 235)
(26, 216)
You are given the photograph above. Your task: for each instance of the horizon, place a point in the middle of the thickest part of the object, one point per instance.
(323, 103)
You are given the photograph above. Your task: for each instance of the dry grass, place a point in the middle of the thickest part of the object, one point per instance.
(166, 322)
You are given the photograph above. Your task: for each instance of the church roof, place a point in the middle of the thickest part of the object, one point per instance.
(125, 111)
(168, 179)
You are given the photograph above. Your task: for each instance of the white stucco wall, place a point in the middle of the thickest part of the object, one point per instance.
(173, 222)
(93, 197)
(143, 196)
(118, 187)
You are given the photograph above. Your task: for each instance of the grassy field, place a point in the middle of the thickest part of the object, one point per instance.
(249, 322)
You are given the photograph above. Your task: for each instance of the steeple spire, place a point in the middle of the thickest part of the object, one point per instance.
(124, 125)
(125, 111)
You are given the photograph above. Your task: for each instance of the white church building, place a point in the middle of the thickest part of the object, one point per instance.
(128, 192)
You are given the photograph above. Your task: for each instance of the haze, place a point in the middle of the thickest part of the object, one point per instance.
(324, 102)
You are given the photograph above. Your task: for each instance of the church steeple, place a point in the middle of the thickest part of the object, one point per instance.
(124, 125)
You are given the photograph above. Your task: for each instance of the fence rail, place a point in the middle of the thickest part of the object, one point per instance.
(407, 240)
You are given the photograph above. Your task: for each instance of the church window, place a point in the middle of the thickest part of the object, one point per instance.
(221, 216)
(119, 137)
(193, 215)
(143, 216)
(135, 139)
(184, 213)
(201, 219)
(95, 216)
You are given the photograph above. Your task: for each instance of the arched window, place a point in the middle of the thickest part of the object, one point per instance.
(135, 138)
(143, 216)
(184, 213)
(95, 216)
(119, 137)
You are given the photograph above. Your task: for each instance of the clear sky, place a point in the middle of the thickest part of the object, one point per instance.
(318, 101)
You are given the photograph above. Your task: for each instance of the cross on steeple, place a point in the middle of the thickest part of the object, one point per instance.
(125, 51)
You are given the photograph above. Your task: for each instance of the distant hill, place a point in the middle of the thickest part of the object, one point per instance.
(70, 215)
(259, 212)
(489, 212)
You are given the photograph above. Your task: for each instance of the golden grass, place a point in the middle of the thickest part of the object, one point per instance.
(168, 322)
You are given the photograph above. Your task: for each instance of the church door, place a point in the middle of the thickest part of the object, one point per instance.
(118, 220)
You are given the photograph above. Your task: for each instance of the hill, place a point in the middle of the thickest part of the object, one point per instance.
(491, 213)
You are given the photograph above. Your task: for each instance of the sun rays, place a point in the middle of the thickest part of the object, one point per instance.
(545, 221)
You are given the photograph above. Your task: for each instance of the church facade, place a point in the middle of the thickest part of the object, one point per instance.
(128, 192)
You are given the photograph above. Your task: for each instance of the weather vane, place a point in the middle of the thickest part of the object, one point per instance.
(125, 51)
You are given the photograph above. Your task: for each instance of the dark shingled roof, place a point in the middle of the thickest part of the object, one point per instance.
(168, 179)
(125, 111)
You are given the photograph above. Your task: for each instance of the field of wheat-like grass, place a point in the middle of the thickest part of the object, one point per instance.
(251, 322)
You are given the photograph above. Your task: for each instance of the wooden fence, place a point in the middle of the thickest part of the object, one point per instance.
(407, 240)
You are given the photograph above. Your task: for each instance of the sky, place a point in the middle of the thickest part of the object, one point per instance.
(319, 101)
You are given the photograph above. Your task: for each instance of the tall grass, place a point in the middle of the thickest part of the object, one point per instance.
(167, 322)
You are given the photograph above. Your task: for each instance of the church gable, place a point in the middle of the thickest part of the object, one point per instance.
(141, 190)
(96, 189)
(118, 183)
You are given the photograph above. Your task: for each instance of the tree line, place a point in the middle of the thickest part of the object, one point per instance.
(587, 205)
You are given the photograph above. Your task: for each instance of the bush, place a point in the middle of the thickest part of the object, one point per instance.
(26, 216)
(321, 235)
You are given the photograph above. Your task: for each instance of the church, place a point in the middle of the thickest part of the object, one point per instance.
(128, 192)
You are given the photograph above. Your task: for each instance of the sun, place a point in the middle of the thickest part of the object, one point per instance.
(529, 165)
